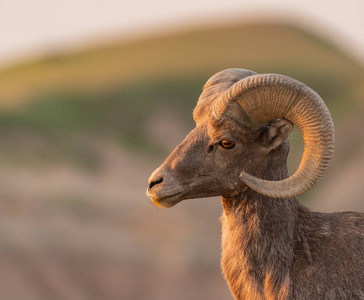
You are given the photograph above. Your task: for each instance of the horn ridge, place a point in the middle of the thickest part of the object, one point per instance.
(265, 97)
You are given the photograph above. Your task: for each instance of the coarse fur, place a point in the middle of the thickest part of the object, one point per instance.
(278, 249)
(272, 248)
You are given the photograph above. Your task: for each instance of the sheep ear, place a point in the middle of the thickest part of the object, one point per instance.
(274, 133)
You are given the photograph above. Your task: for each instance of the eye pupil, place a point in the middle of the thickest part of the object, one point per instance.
(227, 144)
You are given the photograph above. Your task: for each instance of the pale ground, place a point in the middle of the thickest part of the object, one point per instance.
(71, 234)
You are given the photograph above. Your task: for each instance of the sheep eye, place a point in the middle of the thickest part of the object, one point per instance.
(227, 144)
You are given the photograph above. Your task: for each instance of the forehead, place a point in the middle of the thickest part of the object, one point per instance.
(225, 127)
(233, 123)
(208, 97)
(202, 112)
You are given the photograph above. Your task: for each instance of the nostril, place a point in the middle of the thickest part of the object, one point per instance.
(155, 182)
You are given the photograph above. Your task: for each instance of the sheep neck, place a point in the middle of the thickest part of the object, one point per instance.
(257, 242)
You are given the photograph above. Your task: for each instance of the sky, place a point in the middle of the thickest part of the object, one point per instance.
(37, 27)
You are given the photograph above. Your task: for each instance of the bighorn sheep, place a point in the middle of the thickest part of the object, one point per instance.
(272, 246)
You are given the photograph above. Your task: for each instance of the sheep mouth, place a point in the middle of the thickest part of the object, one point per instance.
(167, 201)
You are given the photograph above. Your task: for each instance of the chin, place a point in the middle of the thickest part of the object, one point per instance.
(164, 202)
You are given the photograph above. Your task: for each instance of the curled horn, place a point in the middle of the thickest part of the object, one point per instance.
(266, 97)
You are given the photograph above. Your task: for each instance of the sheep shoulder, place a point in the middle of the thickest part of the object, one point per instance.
(311, 254)
(329, 256)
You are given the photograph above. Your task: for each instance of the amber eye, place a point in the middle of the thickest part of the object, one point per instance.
(227, 144)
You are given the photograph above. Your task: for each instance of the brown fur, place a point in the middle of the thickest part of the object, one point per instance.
(271, 248)
(278, 249)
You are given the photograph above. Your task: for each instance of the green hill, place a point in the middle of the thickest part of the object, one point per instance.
(200, 53)
(112, 90)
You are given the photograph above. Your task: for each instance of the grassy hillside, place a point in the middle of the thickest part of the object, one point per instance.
(198, 54)
(112, 90)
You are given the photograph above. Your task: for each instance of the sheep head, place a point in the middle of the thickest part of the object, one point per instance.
(242, 119)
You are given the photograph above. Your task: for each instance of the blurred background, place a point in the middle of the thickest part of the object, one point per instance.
(93, 97)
